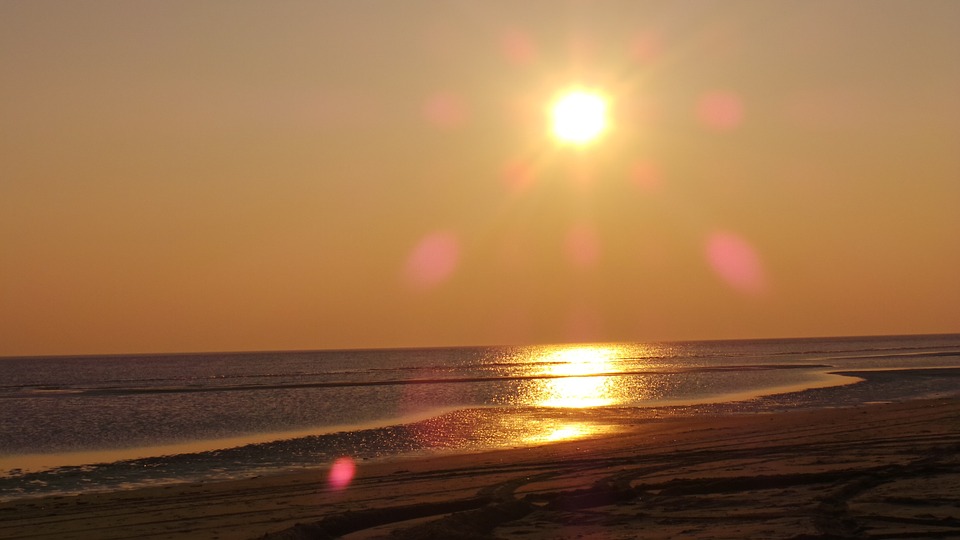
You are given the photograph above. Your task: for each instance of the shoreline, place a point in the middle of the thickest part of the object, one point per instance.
(43, 462)
(92, 457)
(462, 431)
(692, 476)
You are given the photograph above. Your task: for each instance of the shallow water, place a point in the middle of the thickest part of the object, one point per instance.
(81, 424)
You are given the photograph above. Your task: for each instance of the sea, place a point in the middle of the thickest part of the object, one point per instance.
(100, 423)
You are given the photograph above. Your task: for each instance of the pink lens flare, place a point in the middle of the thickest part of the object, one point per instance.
(433, 260)
(582, 246)
(736, 262)
(720, 111)
(646, 47)
(445, 110)
(341, 473)
(519, 176)
(517, 47)
(646, 176)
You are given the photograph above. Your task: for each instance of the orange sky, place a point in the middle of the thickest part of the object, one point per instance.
(184, 176)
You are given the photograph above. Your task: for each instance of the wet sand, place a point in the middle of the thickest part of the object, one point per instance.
(876, 471)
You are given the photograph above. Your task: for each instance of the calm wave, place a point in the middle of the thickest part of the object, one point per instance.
(81, 423)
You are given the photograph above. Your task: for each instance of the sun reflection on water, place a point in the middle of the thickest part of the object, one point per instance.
(579, 379)
(568, 431)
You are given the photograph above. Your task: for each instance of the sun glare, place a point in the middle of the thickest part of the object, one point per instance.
(579, 381)
(579, 117)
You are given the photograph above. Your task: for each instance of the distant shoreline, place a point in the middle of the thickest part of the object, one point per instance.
(457, 347)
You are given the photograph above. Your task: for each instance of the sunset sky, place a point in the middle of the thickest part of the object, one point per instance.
(234, 175)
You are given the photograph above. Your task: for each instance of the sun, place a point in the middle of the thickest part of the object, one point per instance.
(579, 117)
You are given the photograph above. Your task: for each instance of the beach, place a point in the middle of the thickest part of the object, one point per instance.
(479, 270)
(877, 470)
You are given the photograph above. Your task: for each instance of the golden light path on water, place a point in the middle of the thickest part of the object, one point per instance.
(572, 390)
(575, 381)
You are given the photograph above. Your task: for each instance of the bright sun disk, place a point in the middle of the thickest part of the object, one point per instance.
(579, 117)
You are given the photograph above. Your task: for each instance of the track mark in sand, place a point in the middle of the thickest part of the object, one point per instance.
(682, 503)
(348, 522)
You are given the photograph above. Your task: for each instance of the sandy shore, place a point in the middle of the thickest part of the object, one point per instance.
(878, 471)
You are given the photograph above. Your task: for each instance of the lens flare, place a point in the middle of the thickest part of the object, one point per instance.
(341, 473)
(736, 262)
(720, 111)
(582, 246)
(646, 47)
(517, 47)
(519, 176)
(433, 260)
(445, 110)
(646, 176)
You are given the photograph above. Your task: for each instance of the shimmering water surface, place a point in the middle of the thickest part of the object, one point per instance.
(81, 423)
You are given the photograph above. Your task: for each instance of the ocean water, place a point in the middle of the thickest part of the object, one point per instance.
(75, 424)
